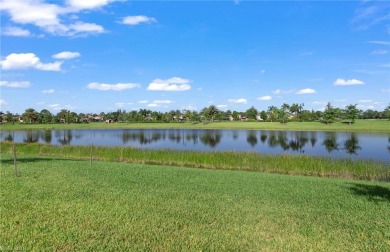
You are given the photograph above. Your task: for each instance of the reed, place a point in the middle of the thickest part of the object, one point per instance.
(227, 160)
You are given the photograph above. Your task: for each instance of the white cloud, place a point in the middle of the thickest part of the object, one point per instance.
(53, 18)
(88, 4)
(114, 87)
(136, 20)
(2, 102)
(153, 105)
(28, 60)
(143, 101)
(84, 28)
(306, 91)
(48, 91)
(342, 82)
(172, 84)
(380, 52)
(54, 106)
(279, 91)
(15, 32)
(222, 106)
(162, 102)
(120, 104)
(378, 42)
(238, 101)
(15, 84)
(264, 98)
(66, 55)
(365, 101)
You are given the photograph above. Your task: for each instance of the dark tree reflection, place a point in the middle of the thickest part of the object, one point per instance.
(330, 142)
(251, 138)
(47, 136)
(211, 138)
(32, 136)
(351, 145)
(65, 137)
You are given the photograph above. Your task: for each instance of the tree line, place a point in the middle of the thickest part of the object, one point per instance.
(283, 114)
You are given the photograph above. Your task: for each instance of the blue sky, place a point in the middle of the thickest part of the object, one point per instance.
(103, 55)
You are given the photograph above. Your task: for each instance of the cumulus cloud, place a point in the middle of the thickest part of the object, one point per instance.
(172, 84)
(153, 105)
(52, 18)
(343, 82)
(143, 101)
(265, 98)
(88, 4)
(136, 20)
(120, 104)
(28, 60)
(306, 91)
(48, 91)
(15, 32)
(222, 106)
(114, 87)
(279, 91)
(162, 101)
(2, 102)
(15, 84)
(238, 101)
(66, 55)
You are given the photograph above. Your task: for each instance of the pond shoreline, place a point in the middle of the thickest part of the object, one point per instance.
(359, 126)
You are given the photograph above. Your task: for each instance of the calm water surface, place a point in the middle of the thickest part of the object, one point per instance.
(331, 144)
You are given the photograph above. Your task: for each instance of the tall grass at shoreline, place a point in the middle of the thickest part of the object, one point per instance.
(227, 160)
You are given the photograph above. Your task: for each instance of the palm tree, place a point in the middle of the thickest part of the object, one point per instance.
(31, 115)
(273, 112)
(212, 111)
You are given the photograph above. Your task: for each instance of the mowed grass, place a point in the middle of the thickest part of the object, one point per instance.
(358, 126)
(70, 205)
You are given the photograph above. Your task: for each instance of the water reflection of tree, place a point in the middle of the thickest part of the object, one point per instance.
(141, 137)
(192, 136)
(263, 137)
(351, 145)
(9, 137)
(299, 141)
(330, 142)
(211, 138)
(251, 138)
(313, 139)
(46, 136)
(32, 136)
(65, 138)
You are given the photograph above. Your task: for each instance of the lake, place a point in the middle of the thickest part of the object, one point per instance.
(374, 146)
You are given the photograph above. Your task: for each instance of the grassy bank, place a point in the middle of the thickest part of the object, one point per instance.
(69, 205)
(358, 126)
(247, 161)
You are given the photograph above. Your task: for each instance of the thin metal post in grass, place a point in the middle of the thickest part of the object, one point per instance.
(14, 152)
(90, 160)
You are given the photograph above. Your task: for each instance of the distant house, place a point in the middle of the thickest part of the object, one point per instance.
(258, 118)
(109, 121)
(242, 117)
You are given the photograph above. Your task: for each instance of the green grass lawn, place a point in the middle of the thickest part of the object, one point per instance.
(69, 205)
(358, 126)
